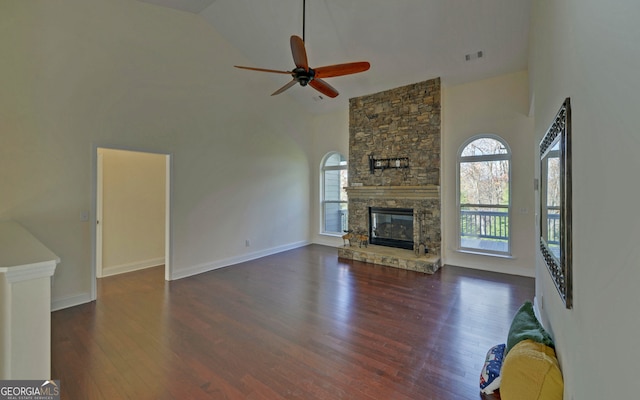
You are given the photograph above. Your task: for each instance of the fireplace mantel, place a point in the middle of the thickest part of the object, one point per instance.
(394, 192)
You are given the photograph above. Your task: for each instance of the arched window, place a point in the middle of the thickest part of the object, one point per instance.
(484, 195)
(333, 180)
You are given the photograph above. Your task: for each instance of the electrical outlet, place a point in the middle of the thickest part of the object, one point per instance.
(247, 243)
(84, 216)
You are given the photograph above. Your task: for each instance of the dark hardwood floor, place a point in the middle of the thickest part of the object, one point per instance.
(297, 325)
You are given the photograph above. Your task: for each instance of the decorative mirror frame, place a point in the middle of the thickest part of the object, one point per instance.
(557, 143)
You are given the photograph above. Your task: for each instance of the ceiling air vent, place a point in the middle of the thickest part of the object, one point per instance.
(473, 56)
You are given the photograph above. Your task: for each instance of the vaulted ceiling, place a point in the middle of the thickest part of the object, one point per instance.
(406, 41)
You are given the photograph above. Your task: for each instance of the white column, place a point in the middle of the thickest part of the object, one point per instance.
(26, 267)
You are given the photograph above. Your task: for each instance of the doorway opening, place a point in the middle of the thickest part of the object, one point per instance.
(132, 209)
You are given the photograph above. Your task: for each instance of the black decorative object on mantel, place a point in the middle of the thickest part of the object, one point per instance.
(387, 163)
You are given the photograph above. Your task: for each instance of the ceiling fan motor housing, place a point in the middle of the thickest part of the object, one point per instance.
(303, 76)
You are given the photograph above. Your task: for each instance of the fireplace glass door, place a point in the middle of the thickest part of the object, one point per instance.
(391, 227)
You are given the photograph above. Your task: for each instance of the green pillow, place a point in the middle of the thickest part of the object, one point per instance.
(524, 326)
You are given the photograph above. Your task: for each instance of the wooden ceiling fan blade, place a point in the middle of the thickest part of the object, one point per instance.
(264, 70)
(341, 69)
(323, 87)
(299, 53)
(285, 87)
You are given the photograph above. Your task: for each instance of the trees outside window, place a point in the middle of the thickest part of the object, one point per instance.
(334, 198)
(484, 195)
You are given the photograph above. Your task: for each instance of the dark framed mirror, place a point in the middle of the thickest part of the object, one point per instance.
(555, 201)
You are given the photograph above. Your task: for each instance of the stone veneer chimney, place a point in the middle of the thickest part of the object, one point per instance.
(398, 123)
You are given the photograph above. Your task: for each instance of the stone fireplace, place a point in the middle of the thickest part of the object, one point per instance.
(394, 163)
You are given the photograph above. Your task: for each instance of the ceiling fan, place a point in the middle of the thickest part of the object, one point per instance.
(304, 75)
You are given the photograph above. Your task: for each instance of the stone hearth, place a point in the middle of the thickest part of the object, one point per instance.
(391, 257)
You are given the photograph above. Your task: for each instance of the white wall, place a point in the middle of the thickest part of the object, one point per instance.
(133, 215)
(119, 73)
(498, 106)
(588, 50)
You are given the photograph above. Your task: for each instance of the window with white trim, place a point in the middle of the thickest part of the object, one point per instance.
(333, 180)
(484, 195)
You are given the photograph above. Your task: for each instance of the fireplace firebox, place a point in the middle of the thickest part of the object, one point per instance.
(391, 227)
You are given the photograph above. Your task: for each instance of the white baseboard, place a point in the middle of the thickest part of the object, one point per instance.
(518, 271)
(331, 241)
(536, 311)
(206, 267)
(70, 301)
(130, 267)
